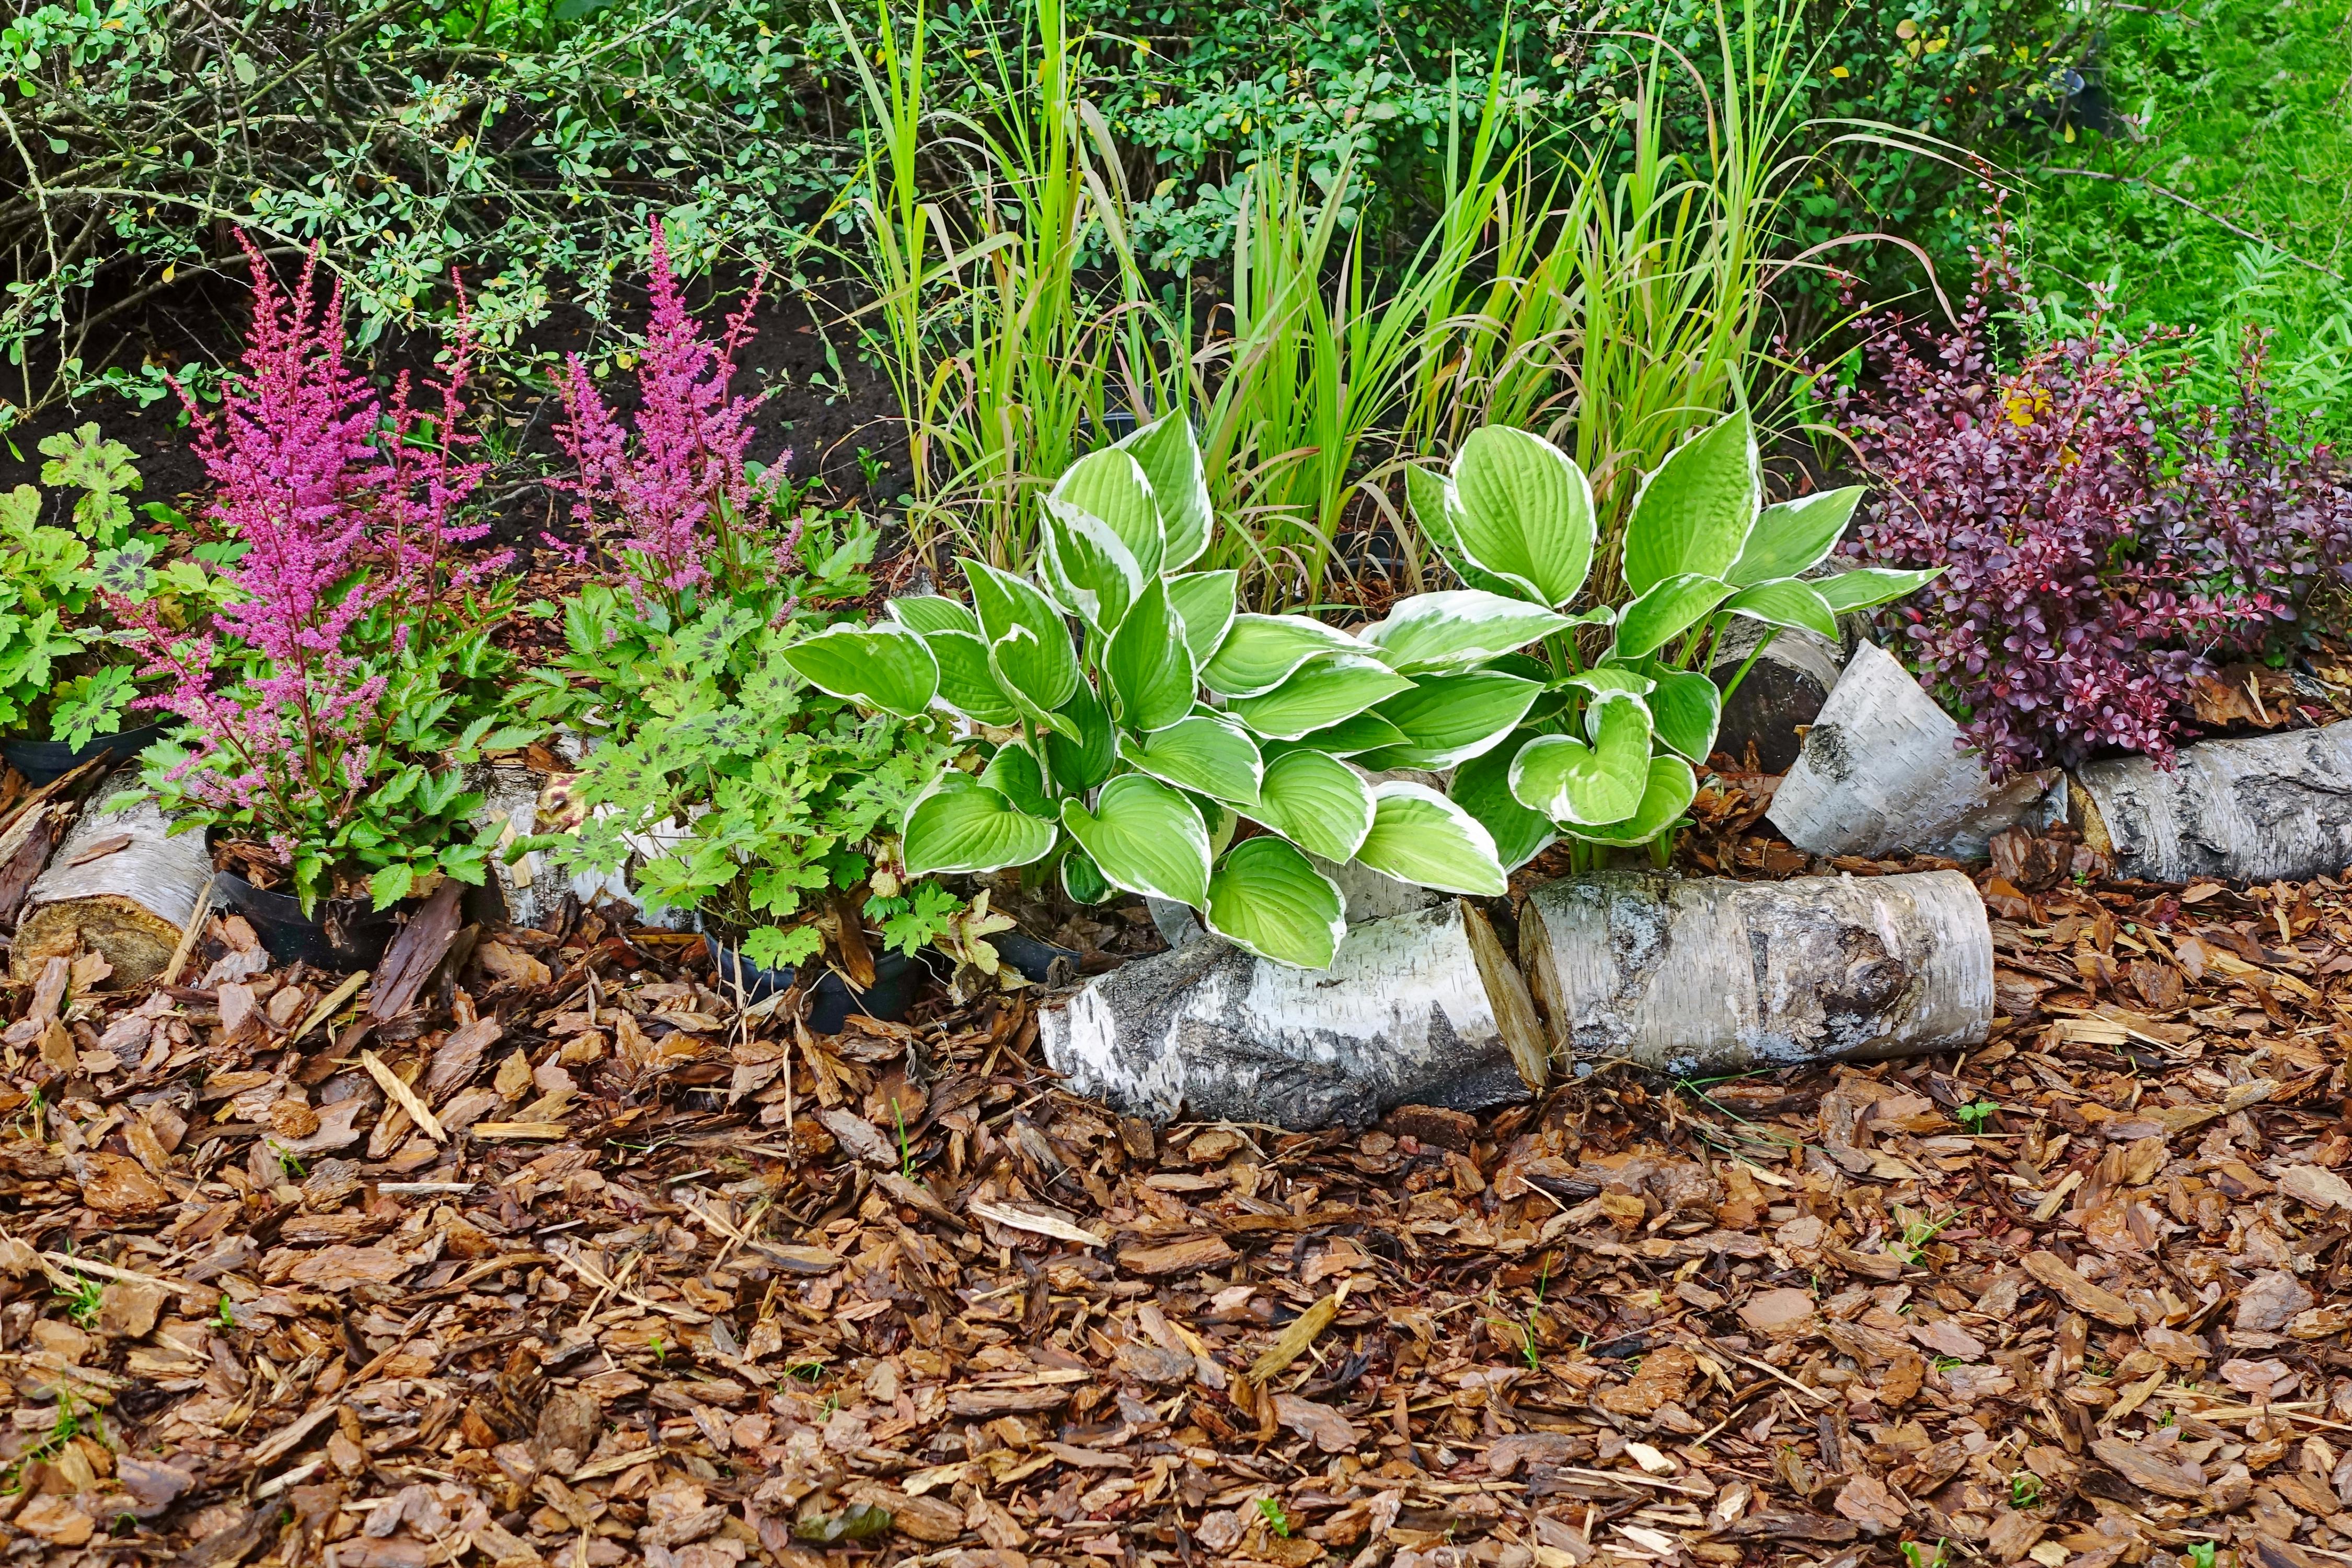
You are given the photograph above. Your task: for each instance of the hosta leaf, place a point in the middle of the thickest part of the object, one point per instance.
(1267, 899)
(1463, 627)
(1794, 536)
(1866, 587)
(1319, 694)
(1786, 602)
(1111, 485)
(1573, 782)
(1482, 786)
(1692, 514)
(1523, 511)
(1205, 601)
(1449, 719)
(1212, 756)
(1146, 838)
(1684, 710)
(1435, 510)
(1027, 642)
(1348, 738)
(1014, 774)
(1665, 611)
(967, 684)
(961, 826)
(1089, 568)
(1259, 652)
(1083, 880)
(1669, 787)
(1316, 801)
(1149, 664)
(883, 666)
(933, 613)
(1171, 457)
(1604, 679)
(1082, 749)
(1419, 835)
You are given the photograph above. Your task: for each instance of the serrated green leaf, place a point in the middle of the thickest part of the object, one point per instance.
(1523, 511)
(1694, 512)
(883, 666)
(1260, 652)
(1418, 836)
(1149, 664)
(1213, 756)
(1319, 693)
(1317, 802)
(1145, 837)
(961, 826)
(1267, 899)
(1793, 537)
(1458, 627)
(1573, 782)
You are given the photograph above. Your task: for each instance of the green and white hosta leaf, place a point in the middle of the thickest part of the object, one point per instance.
(1667, 609)
(1259, 652)
(883, 666)
(1111, 485)
(1028, 645)
(1348, 738)
(1088, 568)
(1082, 879)
(1146, 838)
(1147, 663)
(1449, 719)
(1206, 600)
(1434, 509)
(1265, 898)
(1694, 512)
(1083, 746)
(967, 685)
(1523, 511)
(1866, 587)
(1669, 787)
(931, 613)
(1583, 784)
(1212, 756)
(1419, 835)
(961, 826)
(1319, 694)
(1014, 774)
(1318, 802)
(1604, 678)
(1795, 536)
(1684, 710)
(1170, 458)
(1450, 629)
(1482, 786)
(1786, 602)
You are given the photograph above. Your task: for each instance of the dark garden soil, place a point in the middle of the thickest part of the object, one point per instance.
(567, 1262)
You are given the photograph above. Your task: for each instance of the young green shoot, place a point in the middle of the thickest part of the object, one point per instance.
(1976, 1117)
(1275, 1520)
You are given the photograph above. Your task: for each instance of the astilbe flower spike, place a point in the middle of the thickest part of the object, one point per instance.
(668, 496)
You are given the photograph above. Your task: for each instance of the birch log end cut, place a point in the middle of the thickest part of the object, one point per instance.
(1884, 768)
(1704, 976)
(129, 904)
(1781, 694)
(2266, 808)
(1423, 1007)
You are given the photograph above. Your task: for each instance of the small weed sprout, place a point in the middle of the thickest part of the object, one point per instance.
(1275, 1520)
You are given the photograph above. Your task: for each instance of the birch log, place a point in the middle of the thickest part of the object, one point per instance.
(1781, 694)
(1418, 1008)
(2266, 808)
(1884, 768)
(1706, 976)
(129, 903)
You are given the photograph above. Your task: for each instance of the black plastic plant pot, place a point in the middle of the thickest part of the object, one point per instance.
(831, 1001)
(343, 934)
(42, 762)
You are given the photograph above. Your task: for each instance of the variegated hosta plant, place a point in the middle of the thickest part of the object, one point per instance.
(1603, 753)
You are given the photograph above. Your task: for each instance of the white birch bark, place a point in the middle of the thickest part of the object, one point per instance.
(2265, 808)
(129, 904)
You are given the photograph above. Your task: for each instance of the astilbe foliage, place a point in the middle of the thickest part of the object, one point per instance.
(668, 501)
(2103, 545)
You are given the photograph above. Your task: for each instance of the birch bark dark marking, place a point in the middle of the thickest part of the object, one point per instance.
(2266, 808)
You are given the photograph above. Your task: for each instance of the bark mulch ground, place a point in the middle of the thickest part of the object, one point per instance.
(562, 1261)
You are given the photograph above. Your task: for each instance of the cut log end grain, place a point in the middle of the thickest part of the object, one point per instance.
(129, 904)
(2265, 808)
(1708, 976)
(1420, 1008)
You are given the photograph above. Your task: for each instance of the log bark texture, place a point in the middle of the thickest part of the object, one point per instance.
(1423, 1007)
(2266, 808)
(130, 905)
(1706, 976)
(1884, 768)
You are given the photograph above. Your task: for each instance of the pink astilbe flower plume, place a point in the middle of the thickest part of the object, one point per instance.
(670, 496)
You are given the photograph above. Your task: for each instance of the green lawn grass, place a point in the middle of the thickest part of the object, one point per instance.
(2242, 107)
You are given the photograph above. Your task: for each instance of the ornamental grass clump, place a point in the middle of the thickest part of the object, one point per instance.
(328, 693)
(2105, 545)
